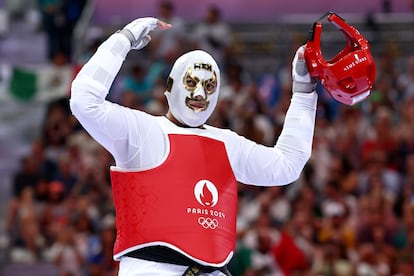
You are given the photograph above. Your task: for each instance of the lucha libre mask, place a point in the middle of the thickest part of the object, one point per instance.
(348, 77)
(193, 88)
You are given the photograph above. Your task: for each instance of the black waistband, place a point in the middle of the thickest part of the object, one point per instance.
(160, 254)
(164, 254)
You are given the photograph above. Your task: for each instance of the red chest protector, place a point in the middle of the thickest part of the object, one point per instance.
(188, 203)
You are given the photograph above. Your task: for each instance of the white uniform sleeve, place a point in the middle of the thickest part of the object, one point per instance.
(282, 164)
(122, 131)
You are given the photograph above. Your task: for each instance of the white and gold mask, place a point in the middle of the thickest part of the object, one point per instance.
(193, 88)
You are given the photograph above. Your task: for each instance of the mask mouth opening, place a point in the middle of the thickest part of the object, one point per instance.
(197, 104)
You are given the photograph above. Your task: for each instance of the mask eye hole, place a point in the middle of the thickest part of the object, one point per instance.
(190, 82)
(210, 85)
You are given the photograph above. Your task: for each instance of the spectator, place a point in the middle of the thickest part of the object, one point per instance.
(263, 261)
(173, 41)
(24, 227)
(46, 167)
(53, 23)
(72, 10)
(332, 260)
(213, 35)
(136, 88)
(289, 256)
(406, 80)
(66, 253)
(57, 128)
(59, 18)
(66, 174)
(26, 177)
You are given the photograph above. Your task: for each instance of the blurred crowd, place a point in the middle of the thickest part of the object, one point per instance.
(350, 213)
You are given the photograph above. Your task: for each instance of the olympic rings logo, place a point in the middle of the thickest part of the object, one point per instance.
(208, 223)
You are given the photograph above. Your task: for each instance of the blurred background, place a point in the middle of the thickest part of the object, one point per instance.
(350, 213)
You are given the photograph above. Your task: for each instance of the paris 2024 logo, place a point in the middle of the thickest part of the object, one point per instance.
(207, 195)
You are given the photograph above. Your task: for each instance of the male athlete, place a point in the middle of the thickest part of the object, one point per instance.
(175, 179)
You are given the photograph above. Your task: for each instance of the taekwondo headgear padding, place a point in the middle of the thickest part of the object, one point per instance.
(348, 77)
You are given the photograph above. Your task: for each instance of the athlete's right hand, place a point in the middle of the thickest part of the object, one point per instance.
(138, 30)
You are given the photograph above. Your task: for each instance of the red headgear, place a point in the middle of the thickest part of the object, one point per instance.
(348, 76)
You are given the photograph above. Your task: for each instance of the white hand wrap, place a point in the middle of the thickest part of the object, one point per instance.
(302, 81)
(137, 31)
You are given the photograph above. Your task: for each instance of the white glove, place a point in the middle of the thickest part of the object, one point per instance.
(138, 30)
(302, 80)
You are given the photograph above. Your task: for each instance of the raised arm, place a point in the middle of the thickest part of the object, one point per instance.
(109, 123)
(295, 141)
(283, 163)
